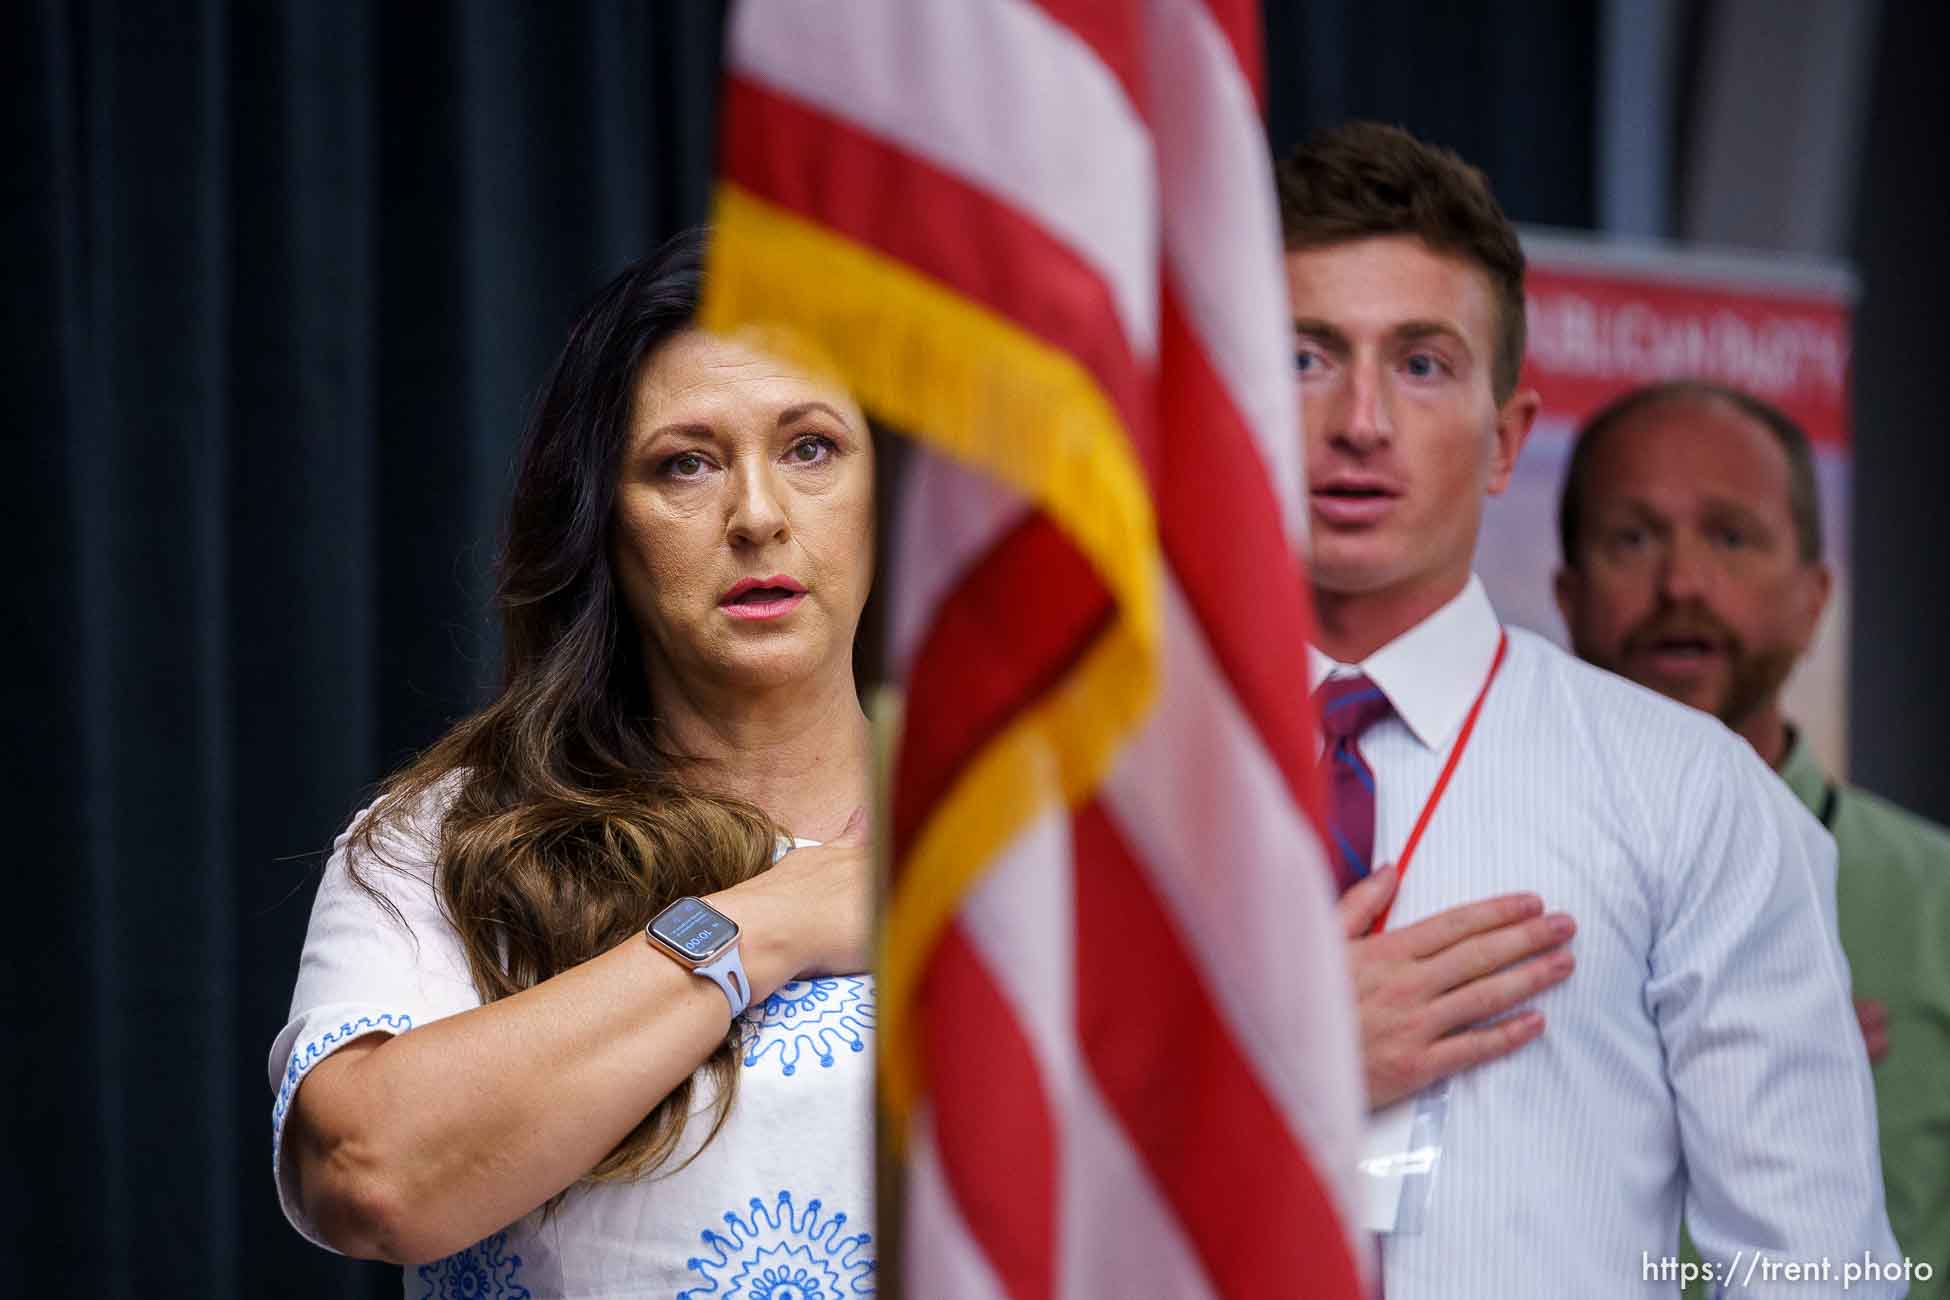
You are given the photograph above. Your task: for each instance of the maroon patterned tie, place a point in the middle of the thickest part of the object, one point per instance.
(1348, 707)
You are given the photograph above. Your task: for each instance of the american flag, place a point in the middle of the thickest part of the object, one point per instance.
(1039, 237)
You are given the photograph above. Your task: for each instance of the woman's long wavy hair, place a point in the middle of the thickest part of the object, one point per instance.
(562, 827)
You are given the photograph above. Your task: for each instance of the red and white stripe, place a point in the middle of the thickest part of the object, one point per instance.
(1137, 1031)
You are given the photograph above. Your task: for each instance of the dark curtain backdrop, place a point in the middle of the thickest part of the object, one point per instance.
(1899, 708)
(281, 281)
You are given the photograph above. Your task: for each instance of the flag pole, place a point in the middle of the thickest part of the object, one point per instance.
(884, 712)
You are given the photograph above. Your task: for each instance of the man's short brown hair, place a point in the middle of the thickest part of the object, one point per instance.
(1365, 179)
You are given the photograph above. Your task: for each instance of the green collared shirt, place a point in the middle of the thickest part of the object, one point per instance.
(1892, 896)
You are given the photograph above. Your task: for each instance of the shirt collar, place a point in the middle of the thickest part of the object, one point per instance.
(1432, 672)
(1803, 771)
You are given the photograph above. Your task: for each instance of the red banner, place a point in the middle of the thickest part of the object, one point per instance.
(1597, 329)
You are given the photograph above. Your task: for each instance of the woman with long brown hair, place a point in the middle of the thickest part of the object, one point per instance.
(562, 1028)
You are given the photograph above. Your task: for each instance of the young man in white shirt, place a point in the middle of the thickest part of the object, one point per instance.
(1693, 1060)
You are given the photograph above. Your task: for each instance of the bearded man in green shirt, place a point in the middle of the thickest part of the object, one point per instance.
(1693, 565)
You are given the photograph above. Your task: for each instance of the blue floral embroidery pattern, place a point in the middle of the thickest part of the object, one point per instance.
(781, 1252)
(817, 1015)
(315, 1051)
(484, 1271)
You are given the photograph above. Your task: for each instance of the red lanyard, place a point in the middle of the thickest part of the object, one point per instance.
(1442, 782)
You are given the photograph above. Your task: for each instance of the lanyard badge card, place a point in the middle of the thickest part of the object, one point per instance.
(1404, 1140)
(1398, 1166)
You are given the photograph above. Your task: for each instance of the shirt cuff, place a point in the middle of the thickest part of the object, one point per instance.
(306, 1041)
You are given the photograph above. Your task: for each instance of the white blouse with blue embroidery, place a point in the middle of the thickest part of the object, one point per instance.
(778, 1206)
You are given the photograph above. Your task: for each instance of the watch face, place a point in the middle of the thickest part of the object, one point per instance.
(694, 929)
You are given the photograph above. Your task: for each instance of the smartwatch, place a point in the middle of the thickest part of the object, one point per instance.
(703, 941)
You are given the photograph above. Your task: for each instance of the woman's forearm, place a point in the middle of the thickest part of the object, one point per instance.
(410, 1148)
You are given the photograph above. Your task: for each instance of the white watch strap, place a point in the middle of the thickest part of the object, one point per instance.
(727, 971)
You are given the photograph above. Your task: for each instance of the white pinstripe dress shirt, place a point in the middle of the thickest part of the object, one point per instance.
(1703, 1057)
